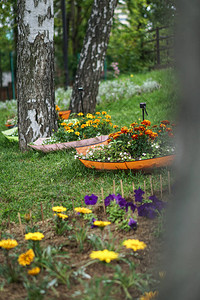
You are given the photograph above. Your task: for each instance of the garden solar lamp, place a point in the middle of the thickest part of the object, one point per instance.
(143, 106)
(80, 89)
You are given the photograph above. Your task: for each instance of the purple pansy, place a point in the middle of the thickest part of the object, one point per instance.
(131, 205)
(158, 204)
(147, 210)
(91, 200)
(92, 223)
(120, 201)
(138, 195)
(132, 223)
(108, 199)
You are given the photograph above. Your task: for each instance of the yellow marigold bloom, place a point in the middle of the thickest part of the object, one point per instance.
(77, 133)
(34, 236)
(63, 124)
(115, 126)
(108, 117)
(80, 114)
(101, 223)
(34, 271)
(89, 116)
(62, 216)
(57, 108)
(83, 210)
(95, 126)
(83, 125)
(98, 113)
(71, 130)
(104, 113)
(26, 258)
(8, 244)
(150, 295)
(131, 75)
(134, 244)
(104, 255)
(59, 209)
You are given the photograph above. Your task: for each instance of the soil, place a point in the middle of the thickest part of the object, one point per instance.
(146, 261)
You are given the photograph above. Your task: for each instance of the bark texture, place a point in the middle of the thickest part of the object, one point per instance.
(35, 71)
(92, 57)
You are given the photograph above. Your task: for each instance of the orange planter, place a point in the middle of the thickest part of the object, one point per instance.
(130, 165)
(64, 114)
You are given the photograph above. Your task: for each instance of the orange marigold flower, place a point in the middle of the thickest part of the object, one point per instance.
(154, 126)
(149, 132)
(136, 128)
(57, 108)
(168, 129)
(162, 125)
(133, 124)
(134, 136)
(140, 134)
(141, 128)
(115, 126)
(124, 129)
(165, 122)
(146, 122)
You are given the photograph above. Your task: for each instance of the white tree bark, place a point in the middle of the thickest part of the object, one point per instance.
(35, 71)
(92, 56)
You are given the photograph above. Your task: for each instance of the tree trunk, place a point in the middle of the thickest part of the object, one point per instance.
(86, 85)
(35, 71)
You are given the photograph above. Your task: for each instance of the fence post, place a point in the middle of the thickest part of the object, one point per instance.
(157, 46)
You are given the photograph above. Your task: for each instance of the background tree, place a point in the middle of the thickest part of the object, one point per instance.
(92, 56)
(35, 71)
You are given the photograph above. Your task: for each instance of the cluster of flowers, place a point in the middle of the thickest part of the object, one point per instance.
(83, 127)
(26, 258)
(139, 141)
(149, 209)
(114, 65)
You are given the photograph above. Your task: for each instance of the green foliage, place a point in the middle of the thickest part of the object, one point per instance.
(115, 212)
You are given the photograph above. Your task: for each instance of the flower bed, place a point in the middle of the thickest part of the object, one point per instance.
(81, 246)
(77, 132)
(138, 147)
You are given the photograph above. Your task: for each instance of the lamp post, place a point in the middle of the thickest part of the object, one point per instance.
(143, 106)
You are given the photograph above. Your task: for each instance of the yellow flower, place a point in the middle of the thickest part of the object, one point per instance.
(80, 114)
(83, 125)
(98, 113)
(8, 244)
(115, 126)
(59, 209)
(101, 223)
(63, 124)
(62, 216)
(77, 133)
(82, 210)
(89, 116)
(150, 295)
(34, 271)
(71, 130)
(104, 255)
(134, 244)
(131, 75)
(108, 117)
(104, 113)
(34, 236)
(57, 108)
(70, 124)
(26, 258)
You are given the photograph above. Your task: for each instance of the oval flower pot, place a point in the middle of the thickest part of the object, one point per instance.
(37, 145)
(64, 114)
(130, 165)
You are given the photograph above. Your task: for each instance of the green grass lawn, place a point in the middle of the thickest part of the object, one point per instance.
(31, 178)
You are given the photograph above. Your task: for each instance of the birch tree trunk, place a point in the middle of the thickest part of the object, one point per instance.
(92, 57)
(35, 71)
